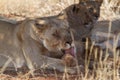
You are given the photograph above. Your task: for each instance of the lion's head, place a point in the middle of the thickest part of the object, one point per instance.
(93, 7)
(54, 33)
(78, 13)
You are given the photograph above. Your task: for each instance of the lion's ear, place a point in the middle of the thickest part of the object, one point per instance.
(62, 16)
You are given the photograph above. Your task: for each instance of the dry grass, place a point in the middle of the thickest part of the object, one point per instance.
(33, 8)
(110, 9)
(108, 69)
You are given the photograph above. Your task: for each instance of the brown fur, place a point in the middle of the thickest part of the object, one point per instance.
(101, 31)
(93, 7)
(36, 42)
(81, 17)
(76, 22)
(69, 60)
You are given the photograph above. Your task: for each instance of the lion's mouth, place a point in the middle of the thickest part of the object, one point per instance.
(70, 51)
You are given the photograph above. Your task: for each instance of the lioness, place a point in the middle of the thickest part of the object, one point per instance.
(81, 17)
(77, 17)
(93, 7)
(106, 34)
(34, 41)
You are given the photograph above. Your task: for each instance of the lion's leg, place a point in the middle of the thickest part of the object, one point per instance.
(40, 61)
(52, 63)
(35, 60)
(57, 64)
(7, 63)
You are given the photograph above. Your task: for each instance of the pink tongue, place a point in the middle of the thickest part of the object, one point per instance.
(70, 51)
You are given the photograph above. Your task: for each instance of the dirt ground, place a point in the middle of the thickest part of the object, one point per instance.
(39, 75)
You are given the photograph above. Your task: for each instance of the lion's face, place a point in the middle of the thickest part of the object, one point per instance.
(78, 13)
(93, 7)
(54, 33)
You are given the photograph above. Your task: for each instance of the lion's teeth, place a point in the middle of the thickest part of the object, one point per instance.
(68, 46)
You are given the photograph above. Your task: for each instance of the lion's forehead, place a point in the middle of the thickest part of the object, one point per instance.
(54, 21)
(59, 23)
(57, 30)
(56, 33)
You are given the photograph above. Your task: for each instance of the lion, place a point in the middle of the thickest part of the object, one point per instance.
(36, 42)
(82, 16)
(77, 20)
(106, 34)
(93, 7)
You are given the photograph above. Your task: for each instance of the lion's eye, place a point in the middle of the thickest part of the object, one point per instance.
(91, 9)
(39, 25)
(56, 34)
